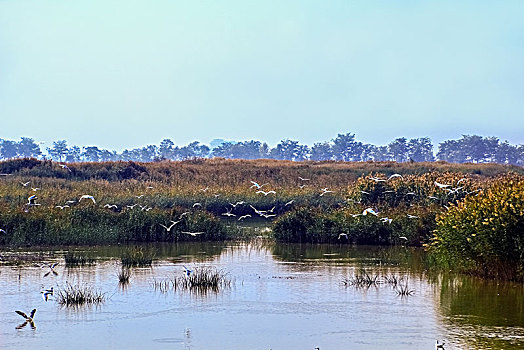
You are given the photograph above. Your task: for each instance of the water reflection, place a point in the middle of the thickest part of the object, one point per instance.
(281, 296)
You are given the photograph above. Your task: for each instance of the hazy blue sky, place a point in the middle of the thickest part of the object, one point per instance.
(123, 74)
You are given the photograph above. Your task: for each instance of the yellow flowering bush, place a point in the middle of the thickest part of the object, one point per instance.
(484, 233)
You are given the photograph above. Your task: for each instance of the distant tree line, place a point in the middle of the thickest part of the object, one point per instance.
(344, 147)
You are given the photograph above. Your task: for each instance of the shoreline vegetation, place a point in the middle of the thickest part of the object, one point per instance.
(468, 216)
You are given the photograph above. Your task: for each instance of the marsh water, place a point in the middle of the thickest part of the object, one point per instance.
(280, 296)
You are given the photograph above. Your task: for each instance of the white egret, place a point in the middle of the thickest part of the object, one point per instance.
(370, 211)
(87, 196)
(244, 217)
(394, 176)
(194, 234)
(266, 193)
(439, 185)
(173, 223)
(324, 191)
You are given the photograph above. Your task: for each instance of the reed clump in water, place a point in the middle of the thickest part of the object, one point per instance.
(124, 275)
(204, 278)
(200, 279)
(137, 257)
(73, 295)
(74, 259)
(403, 290)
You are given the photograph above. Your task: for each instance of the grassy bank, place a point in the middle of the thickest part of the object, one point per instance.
(205, 200)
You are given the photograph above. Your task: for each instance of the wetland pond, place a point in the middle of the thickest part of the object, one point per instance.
(279, 296)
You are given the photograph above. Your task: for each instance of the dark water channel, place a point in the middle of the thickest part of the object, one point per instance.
(280, 297)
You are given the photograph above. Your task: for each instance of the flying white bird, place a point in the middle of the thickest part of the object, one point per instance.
(237, 203)
(228, 213)
(25, 184)
(111, 206)
(2, 230)
(131, 206)
(345, 235)
(197, 204)
(289, 203)
(324, 191)
(173, 223)
(257, 186)
(439, 185)
(376, 179)
(86, 196)
(62, 207)
(266, 193)
(302, 179)
(194, 234)
(370, 211)
(244, 217)
(412, 216)
(63, 166)
(395, 175)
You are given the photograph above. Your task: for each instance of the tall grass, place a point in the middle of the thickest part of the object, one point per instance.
(137, 257)
(73, 259)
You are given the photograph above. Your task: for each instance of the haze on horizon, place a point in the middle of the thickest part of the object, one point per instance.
(123, 74)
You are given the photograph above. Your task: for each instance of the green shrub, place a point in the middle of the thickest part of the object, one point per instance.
(484, 234)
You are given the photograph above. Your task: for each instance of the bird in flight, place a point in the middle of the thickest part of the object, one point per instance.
(343, 235)
(289, 203)
(31, 200)
(237, 203)
(439, 185)
(228, 213)
(370, 211)
(111, 206)
(51, 269)
(257, 186)
(46, 293)
(25, 184)
(86, 196)
(28, 319)
(187, 271)
(194, 234)
(173, 223)
(266, 193)
(376, 179)
(302, 179)
(63, 166)
(62, 207)
(394, 176)
(244, 217)
(2, 230)
(197, 204)
(324, 191)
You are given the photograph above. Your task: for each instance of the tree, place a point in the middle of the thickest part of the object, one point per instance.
(28, 148)
(9, 149)
(91, 154)
(321, 151)
(166, 149)
(380, 153)
(346, 148)
(398, 150)
(290, 150)
(420, 150)
(74, 154)
(59, 150)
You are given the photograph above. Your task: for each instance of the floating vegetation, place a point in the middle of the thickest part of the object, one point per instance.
(73, 295)
(137, 257)
(74, 259)
(364, 280)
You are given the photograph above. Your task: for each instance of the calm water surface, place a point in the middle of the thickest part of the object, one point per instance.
(281, 297)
